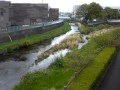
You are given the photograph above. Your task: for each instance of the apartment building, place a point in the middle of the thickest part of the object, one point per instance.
(4, 14)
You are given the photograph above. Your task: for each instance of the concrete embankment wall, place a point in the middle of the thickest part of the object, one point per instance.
(5, 37)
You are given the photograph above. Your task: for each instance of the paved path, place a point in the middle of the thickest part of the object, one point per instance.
(111, 81)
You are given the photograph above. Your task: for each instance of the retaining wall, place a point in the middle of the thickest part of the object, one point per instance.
(5, 37)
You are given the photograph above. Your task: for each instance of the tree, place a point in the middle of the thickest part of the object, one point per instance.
(107, 13)
(119, 14)
(95, 11)
(110, 13)
(82, 10)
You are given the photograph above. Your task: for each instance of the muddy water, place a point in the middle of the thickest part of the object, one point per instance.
(14, 66)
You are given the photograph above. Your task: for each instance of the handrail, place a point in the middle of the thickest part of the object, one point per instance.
(31, 26)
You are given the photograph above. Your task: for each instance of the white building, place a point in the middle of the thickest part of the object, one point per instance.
(75, 9)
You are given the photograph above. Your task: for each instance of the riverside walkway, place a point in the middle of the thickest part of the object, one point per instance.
(111, 80)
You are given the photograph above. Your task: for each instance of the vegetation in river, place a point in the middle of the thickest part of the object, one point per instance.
(69, 42)
(58, 62)
(56, 78)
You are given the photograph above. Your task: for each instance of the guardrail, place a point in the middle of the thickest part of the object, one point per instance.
(31, 26)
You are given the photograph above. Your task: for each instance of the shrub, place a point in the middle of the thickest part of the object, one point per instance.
(90, 74)
(58, 62)
(87, 29)
(9, 50)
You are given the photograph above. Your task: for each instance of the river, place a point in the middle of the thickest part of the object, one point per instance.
(15, 65)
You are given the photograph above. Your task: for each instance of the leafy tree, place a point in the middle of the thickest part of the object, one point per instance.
(82, 10)
(115, 13)
(119, 15)
(95, 11)
(107, 13)
(110, 13)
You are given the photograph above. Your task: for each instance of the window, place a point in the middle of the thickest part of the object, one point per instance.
(2, 12)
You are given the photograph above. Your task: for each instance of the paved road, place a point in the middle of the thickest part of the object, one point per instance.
(111, 81)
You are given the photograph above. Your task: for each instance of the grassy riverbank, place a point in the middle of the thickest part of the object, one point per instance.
(92, 72)
(87, 29)
(33, 39)
(55, 78)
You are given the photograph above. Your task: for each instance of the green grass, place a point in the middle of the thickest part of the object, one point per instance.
(55, 78)
(58, 77)
(106, 38)
(30, 40)
(46, 80)
(91, 73)
(87, 29)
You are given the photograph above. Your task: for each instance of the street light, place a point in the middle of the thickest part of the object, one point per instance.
(42, 1)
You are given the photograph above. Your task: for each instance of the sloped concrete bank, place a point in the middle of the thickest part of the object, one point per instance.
(8, 36)
(5, 37)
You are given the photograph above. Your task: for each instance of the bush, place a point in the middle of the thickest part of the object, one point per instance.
(87, 29)
(106, 38)
(9, 50)
(90, 74)
(58, 62)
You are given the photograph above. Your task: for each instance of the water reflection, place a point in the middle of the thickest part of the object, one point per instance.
(80, 45)
(57, 40)
(45, 63)
(13, 67)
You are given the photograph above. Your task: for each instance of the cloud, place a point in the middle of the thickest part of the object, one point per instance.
(67, 5)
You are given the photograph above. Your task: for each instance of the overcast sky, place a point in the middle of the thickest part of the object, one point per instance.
(67, 5)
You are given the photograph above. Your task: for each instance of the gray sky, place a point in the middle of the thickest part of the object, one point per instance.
(67, 5)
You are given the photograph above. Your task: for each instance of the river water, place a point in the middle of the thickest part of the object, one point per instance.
(14, 66)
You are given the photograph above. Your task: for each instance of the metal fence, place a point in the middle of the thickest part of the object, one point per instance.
(31, 26)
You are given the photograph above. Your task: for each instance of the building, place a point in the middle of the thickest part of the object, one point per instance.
(53, 14)
(38, 13)
(4, 14)
(17, 14)
(28, 13)
(75, 10)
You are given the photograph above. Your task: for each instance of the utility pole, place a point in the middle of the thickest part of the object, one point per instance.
(42, 1)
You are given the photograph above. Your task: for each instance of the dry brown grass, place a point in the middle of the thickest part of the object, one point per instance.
(103, 31)
(98, 33)
(116, 42)
(70, 42)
